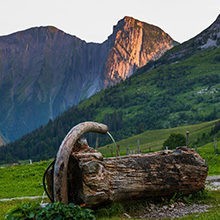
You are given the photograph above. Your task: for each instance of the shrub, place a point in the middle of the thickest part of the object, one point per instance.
(53, 211)
(25, 211)
(175, 140)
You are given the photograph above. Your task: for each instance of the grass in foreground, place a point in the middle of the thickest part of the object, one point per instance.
(22, 180)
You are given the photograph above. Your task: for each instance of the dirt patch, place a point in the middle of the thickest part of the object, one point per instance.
(174, 210)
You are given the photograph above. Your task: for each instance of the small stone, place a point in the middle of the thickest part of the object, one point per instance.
(172, 206)
(165, 207)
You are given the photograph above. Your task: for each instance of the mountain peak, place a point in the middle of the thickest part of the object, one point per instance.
(135, 43)
(131, 20)
(128, 21)
(128, 18)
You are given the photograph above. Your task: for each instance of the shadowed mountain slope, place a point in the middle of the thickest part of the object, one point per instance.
(44, 71)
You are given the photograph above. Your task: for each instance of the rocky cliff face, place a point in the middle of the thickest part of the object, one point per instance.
(134, 44)
(43, 70)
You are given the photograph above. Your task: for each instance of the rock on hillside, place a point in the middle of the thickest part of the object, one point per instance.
(44, 71)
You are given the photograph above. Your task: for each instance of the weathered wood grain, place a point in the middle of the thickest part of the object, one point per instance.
(164, 173)
(81, 174)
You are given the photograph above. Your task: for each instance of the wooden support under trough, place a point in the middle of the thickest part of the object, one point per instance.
(93, 180)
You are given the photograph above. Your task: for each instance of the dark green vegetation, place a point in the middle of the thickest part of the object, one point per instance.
(50, 212)
(179, 93)
(9, 205)
(175, 140)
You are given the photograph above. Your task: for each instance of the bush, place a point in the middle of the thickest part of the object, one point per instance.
(53, 211)
(175, 140)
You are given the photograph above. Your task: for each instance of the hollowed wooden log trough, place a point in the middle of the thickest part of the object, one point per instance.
(81, 175)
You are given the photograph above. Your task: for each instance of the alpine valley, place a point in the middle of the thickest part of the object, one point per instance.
(181, 87)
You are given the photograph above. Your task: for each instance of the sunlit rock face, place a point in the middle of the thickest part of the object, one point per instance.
(44, 71)
(134, 44)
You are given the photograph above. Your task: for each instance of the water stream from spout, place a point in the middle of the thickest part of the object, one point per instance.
(112, 139)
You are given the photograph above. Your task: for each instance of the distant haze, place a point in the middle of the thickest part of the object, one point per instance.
(92, 20)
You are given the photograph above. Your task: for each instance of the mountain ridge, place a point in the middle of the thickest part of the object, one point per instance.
(44, 71)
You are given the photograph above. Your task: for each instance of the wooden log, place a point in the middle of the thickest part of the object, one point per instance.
(68, 145)
(82, 175)
(94, 180)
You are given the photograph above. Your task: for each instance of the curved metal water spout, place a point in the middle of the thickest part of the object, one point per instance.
(62, 159)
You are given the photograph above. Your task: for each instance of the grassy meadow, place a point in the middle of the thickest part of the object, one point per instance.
(22, 180)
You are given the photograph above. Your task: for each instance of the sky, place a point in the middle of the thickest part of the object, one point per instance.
(93, 20)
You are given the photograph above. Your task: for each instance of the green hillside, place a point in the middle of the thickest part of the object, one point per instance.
(180, 93)
(152, 140)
